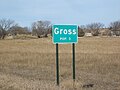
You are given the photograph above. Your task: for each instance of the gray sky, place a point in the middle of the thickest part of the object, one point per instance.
(80, 12)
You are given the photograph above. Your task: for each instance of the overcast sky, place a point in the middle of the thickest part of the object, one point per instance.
(80, 12)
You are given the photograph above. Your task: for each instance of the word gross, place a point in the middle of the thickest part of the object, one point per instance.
(65, 33)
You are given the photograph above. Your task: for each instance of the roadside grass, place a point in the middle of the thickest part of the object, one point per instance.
(30, 64)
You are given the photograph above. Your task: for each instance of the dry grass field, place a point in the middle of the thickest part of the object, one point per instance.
(30, 64)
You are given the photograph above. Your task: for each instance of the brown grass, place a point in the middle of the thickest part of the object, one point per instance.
(30, 64)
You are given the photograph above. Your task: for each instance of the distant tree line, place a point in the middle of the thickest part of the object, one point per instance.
(43, 28)
(92, 28)
(96, 28)
(8, 26)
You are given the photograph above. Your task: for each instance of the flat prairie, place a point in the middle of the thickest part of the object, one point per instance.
(31, 65)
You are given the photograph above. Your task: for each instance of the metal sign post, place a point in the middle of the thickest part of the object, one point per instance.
(73, 62)
(57, 64)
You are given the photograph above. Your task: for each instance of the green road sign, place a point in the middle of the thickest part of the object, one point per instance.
(65, 34)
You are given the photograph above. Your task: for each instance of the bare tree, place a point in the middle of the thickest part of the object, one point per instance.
(41, 28)
(14, 30)
(4, 26)
(81, 30)
(115, 27)
(94, 28)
